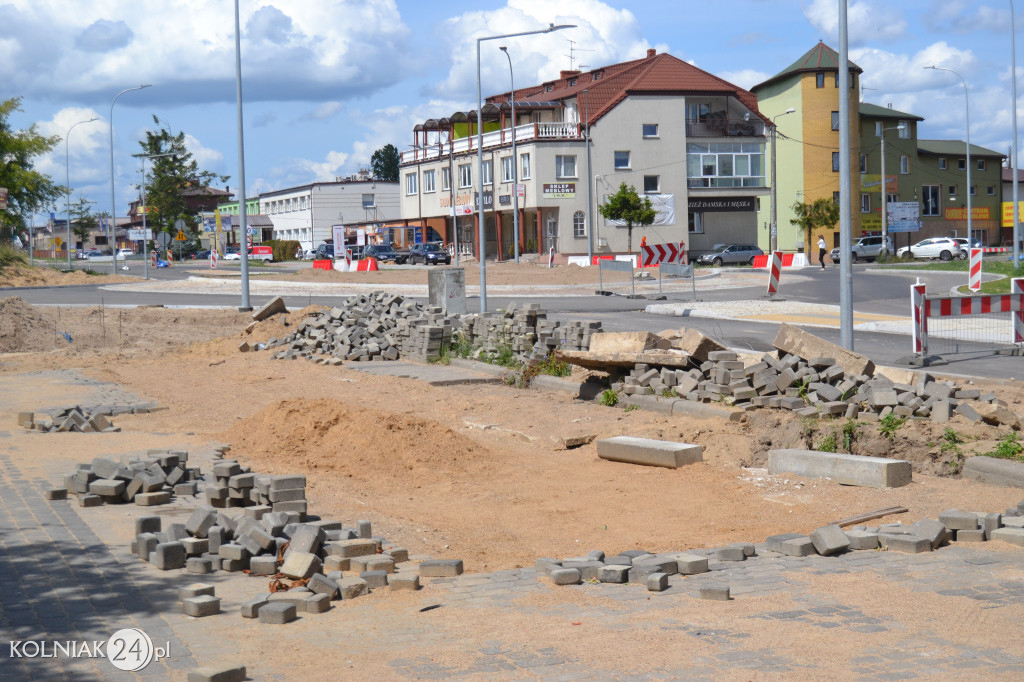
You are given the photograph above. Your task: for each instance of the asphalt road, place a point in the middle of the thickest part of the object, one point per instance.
(874, 291)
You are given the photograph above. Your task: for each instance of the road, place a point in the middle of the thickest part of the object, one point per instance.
(875, 292)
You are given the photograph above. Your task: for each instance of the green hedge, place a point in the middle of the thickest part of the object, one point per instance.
(284, 249)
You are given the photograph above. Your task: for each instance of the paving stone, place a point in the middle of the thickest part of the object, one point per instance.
(145, 544)
(233, 551)
(153, 499)
(198, 607)
(375, 579)
(308, 538)
(320, 584)
(977, 535)
(147, 524)
(958, 520)
(263, 565)
(715, 593)
(300, 565)
(251, 608)
(615, 573)
(168, 556)
(860, 539)
(1014, 536)
(277, 613)
(440, 568)
(909, 544)
(566, 576)
(347, 549)
(200, 521)
(90, 500)
(195, 590)
(730, 554)
(199, 565)
(588, 568)
(830, 540)
(231, 672)
(353, 587)
(657, 582)
(799, 546)
(404, 581)
(934, 531)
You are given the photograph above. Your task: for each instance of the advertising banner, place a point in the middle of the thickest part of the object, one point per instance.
(664, 206)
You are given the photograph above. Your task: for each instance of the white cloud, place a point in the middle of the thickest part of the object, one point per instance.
(204, 156)
(292, 49)
(603, 35)
(866, 20)
(326, 170)
(325, 111)
(83, 150)
(892, 72)
(746, 79)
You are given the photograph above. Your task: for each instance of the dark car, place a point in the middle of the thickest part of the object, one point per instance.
(731, 253)
(201, 255)
(384, 253)
(429, 254)
(324, 252)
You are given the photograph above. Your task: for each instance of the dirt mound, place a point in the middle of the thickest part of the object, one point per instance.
(359, 443)
(23, 327)
(24, 275)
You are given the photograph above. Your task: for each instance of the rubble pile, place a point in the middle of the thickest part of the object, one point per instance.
(527, 331)
(235, 485)
(146, 481)
(89, 419)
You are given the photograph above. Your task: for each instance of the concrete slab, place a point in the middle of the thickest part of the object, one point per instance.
(435, 375)
(869, 472)
(649, 451)
(994, 471)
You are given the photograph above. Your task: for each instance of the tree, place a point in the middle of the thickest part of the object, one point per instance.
(628, 207)
(27, 191)
(168, 178)
(83, 221)
(384, 163)
(823, 214)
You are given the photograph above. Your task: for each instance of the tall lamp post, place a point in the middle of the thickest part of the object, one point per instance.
(1013, 93)
(67, 171)
(885, 195)
(515, 173)
(773, 237)
(242, 227)
(481, 231)
(113, 201)
(967, 118)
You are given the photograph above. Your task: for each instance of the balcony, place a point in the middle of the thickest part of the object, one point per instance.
(724, 127)
(529, 132)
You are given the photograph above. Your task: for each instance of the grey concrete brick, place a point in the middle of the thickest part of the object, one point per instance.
(440, 568)
(615, 573)
(730, 554)
(251, 608)
(375, 579)
(263, 565)
(565, 576)
(588, 569)
(168, 556)
(320, 584)
(957, 520)
(829, 540)
(196, 546)
(200, 565)
(715, 593)
(347, 549)
(195, 590)
(1014, 536)
(910, 544)
(200, 521)
(277, 613)
(404, 581)
(657, 582)
(977, 535)
(308, 538)
(300, 565)
(353, 587)
(147, 524)
(934, 531)
(860, 539)
(233, 551)
(153, 499)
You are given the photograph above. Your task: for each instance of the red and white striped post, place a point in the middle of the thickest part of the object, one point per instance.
(974, 279)
(153, 259)
(919, 315)
(776, 271)
(348, 259)
(1017, 288)
(213, 259)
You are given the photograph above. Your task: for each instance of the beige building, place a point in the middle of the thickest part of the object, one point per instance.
(693, 143)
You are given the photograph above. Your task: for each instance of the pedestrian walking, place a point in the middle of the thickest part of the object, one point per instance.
(822, 246)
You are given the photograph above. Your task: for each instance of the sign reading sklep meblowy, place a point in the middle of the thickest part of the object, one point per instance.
(559, 190)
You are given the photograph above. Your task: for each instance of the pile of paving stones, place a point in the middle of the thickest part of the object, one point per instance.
(383, 326)
(147, 481)
(653, 570)
(235, 485)
(88, 419)
(812, 387)
(325, 559)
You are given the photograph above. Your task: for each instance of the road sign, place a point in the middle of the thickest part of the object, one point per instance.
(661, 253)
(163, 239)
(180, 237)
(520, 190)
(248, 241)
(249, 230)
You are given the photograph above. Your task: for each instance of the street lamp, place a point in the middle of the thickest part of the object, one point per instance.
(967, 117)
(1013, 94)
(67, 170)
(773, 237)
(145, 239)
(481, 232)
(242, 227)
(515, 174)
(113, 201)
(885, 196)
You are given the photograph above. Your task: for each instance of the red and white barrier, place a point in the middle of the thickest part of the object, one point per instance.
(918, 311)
(974, 278)
(995, 249)
(923, 308)
(776, 272)
(153, 258)
(1017, 287)
(213, 259)
(662, 253)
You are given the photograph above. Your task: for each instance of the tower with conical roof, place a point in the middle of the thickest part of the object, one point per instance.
(808, 140)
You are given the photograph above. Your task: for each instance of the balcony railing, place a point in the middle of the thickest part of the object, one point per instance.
(528, 132)
(724, 127)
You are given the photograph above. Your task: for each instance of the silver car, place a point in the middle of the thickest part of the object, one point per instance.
(731, 253)
(865, 248)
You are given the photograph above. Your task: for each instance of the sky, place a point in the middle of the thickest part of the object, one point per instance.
(327, 82)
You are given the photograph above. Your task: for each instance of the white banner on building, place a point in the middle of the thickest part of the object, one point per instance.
(664, 206)
(338, 233)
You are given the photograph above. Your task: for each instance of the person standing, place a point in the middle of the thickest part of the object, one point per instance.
(821, 250)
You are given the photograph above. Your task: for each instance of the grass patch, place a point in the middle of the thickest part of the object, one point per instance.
(828, 443)
(10, 256)
(554, 367)
(1009, 447)
(609, 398)
(890, 424)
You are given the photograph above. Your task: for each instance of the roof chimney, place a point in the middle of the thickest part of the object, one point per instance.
(568, 74)
(890, 105)
(651, 52)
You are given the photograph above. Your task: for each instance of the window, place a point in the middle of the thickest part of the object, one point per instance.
(952, 191)
(863, 163)
(572, 81)
(488, 173)
(942, 164)
(974, 190)
(725, 164)
(981, 164)
(904, 165)
(835, 120)
(651, 184)
(650, 130)
(890, 198)
(904, 132)
(525, 166)
(878, 128)
(961, 164)
(579, 224)
(507, 168)
(410, 183)
(466, 175)
(369, 201)
(428, 181)
(835, 197)
(930, 205)
(597, 75)
(835, 162)
(304, 203)
(819, 80)
(621, 160)
(865, 203)
(446, 179)
(991, 190)
(565, 166)
(695, 223)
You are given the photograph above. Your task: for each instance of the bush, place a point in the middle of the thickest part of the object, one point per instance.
(11, 256)
(284, 249)
(609, 398)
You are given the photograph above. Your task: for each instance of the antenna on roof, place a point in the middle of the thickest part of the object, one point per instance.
(572, 54)
(862, 89)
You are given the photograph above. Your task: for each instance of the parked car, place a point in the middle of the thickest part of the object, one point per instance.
(324, 252)
(943, 248)
(100, 254)
(384, 253)
(201, 255)
(865, 248)
(966, 245)
(124, 253)
(731, 253)
(232, 253)
(429, 254)
(83, 254)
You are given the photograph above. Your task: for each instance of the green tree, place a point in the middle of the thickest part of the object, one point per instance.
(628, 207)
(170, 178)
(83, 221)
(28, 191)
(823, 214)
(384, 163)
